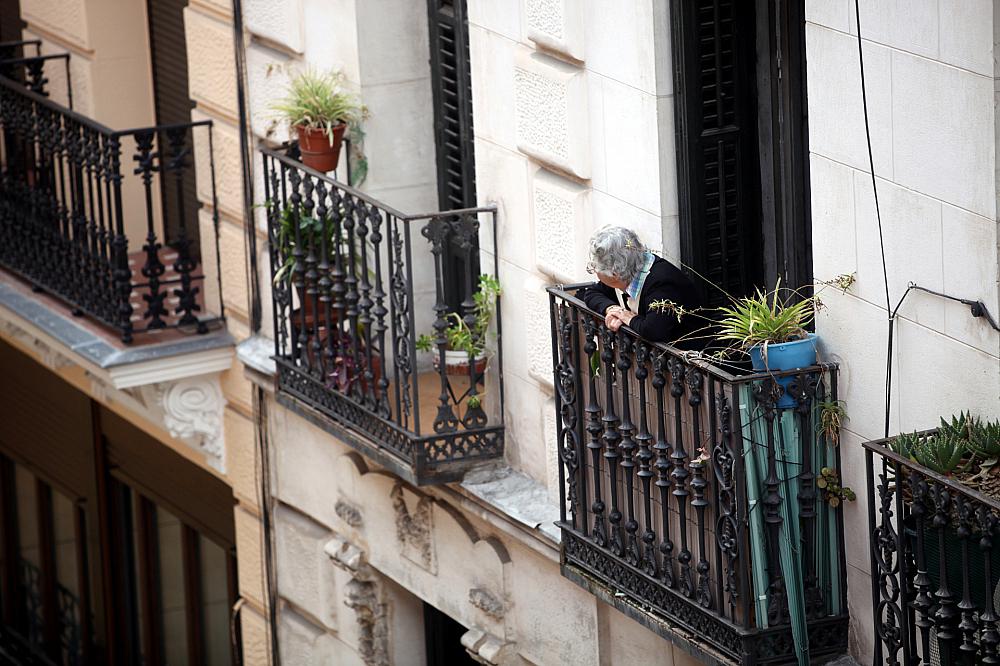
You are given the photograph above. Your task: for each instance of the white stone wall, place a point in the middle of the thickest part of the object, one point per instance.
(931, 79)
(574, 130)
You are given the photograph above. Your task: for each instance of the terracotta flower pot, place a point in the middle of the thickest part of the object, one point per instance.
(317, 150)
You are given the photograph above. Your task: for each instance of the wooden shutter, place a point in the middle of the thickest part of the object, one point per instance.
(11, 24)
(196, 496)
(452, 88)
(45, 424)
(718, 169)
(168, 53)
(453, 132)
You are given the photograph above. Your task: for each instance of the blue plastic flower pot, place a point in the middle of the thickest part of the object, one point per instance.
(785, 356)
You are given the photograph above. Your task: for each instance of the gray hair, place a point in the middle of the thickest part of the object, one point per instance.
(616, 251)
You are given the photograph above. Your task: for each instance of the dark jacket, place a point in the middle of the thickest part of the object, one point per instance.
(664, 282)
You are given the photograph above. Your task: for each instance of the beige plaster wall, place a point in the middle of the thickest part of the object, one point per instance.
(108, 43)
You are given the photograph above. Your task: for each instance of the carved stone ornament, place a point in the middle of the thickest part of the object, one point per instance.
(193, 411)
(363, 595)
(414, 531)
(47, 356)
(485, 648)
(373, 627)
(487, 602)
(349, 513)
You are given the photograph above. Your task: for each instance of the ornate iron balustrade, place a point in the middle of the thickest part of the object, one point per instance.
(346, 317)
(935, 558)
(688, 495)
(63, 217)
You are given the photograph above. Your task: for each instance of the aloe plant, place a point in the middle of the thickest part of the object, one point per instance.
(942, 453)
(904, 444)
(984, 442)
(959, 426)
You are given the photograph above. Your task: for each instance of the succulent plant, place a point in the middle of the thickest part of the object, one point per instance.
(984, 442)
(942, 453)
(904, 444)
(959, 426)
(833, 493)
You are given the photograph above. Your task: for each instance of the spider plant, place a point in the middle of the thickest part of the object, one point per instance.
(832, 415)
(317, 100)
(765, 318)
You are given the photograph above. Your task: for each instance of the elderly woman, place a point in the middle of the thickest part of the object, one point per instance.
(630, 278)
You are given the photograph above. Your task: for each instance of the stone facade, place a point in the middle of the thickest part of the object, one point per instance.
(931, 79)
(573, 115)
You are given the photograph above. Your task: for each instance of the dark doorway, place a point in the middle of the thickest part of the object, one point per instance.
(172, 103)
(443, 638)
(742, 143)
(453, 132)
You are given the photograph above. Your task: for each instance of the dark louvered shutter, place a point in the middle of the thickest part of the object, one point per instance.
(10, 21)
(717, 147)
(173, 104)
(453, 135)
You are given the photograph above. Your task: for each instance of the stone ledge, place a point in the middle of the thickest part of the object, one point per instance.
(123, 366)
(517, 496)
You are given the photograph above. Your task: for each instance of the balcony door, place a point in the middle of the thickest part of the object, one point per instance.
(743, 168)
(453, 133)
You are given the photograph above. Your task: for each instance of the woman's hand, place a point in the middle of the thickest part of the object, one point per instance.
(614, 319)
(611, 314)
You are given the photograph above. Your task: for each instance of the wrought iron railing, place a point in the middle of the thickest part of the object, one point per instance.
(689, 496)
(64, 219)
(346, 319)
(935, 564)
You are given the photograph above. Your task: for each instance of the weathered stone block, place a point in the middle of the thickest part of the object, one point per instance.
(305, 574)
(552, 118)
(557, 25)
(225, 150)
(278, 20)
(561, 218)
(211, 76)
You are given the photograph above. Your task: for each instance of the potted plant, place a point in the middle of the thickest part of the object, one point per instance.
(317, 232)
(465, 341)
(319, 110)
(770, 327)
(964, 450)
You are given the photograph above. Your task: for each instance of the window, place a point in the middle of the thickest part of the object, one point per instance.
(113, 547)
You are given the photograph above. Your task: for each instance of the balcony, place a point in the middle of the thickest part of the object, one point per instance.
(104, 221)
(689, 497)
(354, 283)
(935, 560)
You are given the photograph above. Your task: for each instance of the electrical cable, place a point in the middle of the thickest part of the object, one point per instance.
(878, 217)
(262, 462)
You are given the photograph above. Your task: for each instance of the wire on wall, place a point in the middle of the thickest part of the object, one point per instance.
(977, 308)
